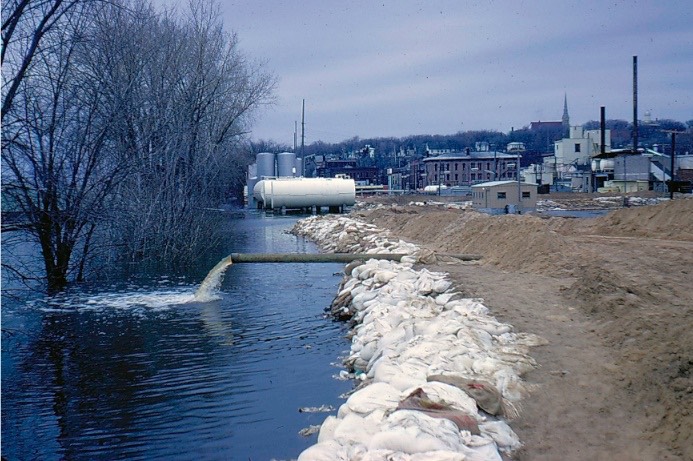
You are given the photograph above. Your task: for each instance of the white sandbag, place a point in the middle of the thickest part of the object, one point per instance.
(400, 376)
(354, 429)
(411, 431)
(325, 451)
(360, 298)
(384, 276)
(452, 395)
(438, 455)
(377, 395)
(327, 428)
(441, 286)
(502, 434)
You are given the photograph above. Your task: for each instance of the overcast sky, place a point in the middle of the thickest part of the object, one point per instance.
(397, 68)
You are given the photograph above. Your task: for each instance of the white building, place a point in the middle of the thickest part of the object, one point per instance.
(571, 163)
(498, 197)
(579, 148)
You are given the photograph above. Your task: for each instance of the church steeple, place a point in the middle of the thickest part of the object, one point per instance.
(566, 117)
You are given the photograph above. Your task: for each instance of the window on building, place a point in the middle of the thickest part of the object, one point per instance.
(577, 147)
(501, 196)
(456, 165)
(456, 177)
(526, 194)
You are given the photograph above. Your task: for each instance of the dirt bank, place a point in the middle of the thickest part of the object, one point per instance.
(612, 295)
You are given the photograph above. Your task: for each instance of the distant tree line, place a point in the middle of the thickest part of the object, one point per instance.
(123, 126)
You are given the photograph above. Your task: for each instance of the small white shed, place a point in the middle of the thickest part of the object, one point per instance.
(501, 197)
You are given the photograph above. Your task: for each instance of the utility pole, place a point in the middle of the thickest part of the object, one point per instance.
(295, 134)
(673, 158)
(495, 165)
(602, 143)
(635, 103)
(519, 186)
(303, 137)
(635, 131)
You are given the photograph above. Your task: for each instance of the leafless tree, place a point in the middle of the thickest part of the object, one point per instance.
(58, 167)
(26, 27)
(187, 119)
(125, 132)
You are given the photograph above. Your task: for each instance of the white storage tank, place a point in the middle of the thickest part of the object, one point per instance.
(606, 164)
(305, 192)
(286, 162)
(299, 166)
(265, 164)
(595, 165)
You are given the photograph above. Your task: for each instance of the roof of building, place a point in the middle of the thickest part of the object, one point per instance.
(472, 155)
(617, 152)
(546, 124)
(502, 183)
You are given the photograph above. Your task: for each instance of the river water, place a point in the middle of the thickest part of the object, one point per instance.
(136, 369)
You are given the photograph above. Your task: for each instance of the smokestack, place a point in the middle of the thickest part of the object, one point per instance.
(635, 103)
(602, 128)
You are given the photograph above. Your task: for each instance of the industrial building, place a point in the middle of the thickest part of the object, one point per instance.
(466, 168)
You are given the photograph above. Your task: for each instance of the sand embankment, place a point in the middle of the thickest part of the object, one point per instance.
(613, 296)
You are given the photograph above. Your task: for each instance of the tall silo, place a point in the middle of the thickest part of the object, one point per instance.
(285, 164)
(265, 164)
(298, 163)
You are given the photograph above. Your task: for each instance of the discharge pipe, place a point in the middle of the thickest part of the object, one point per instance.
(327, 257)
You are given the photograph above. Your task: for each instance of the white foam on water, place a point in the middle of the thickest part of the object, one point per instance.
(157, 300)
(137, 298)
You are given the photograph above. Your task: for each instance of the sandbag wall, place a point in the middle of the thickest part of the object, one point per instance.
(439, 374)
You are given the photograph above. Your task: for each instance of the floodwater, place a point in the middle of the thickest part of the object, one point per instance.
(576, 213)
(137, 369)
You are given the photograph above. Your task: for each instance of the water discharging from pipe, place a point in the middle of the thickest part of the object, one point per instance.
(210, 285)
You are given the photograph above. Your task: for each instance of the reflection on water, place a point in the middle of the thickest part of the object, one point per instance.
(146, 371)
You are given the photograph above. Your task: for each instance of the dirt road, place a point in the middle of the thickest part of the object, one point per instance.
(614, 298)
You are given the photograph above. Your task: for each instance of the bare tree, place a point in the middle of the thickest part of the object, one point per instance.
(126, 130)
(57, 164)
(185, 126)
(26, 26)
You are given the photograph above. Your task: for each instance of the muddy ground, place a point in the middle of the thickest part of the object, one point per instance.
(613, 297)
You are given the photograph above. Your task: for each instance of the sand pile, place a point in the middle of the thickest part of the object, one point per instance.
(668, 220)
(522, 243)
(525, 243)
